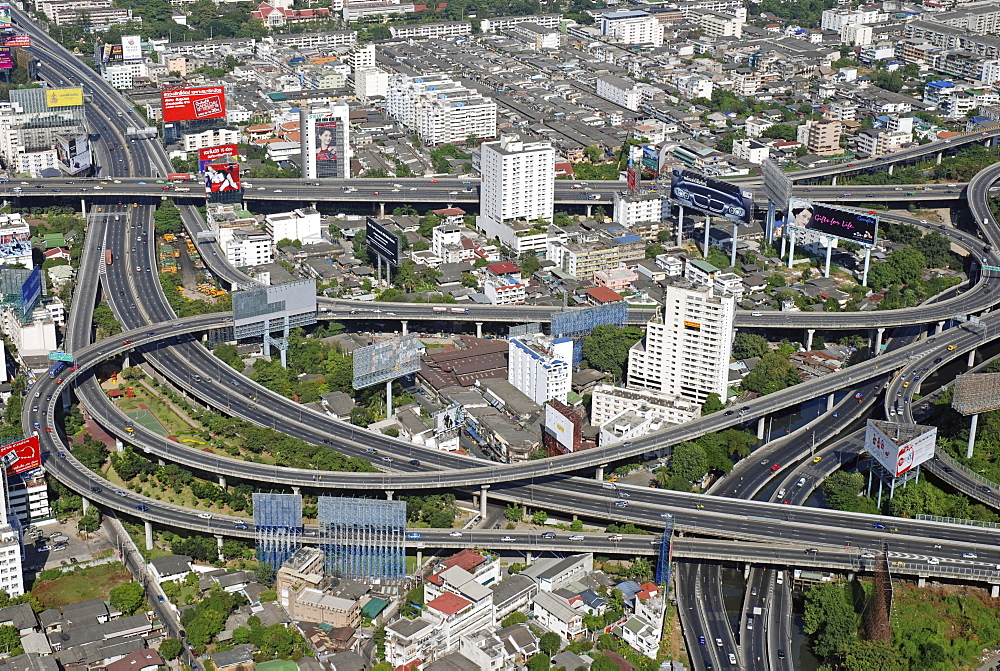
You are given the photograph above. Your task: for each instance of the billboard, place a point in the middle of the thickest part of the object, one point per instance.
(31, 290)
(5, 17)
(131, 47)
(326, 148)
(112, 53)
(711, 196)
(559, 427)
(74, 153)
(382, 241)
(632, 177)
(858, 227)
(17, 40)
(222, 177)
(6, 58)
(386, 360)
(651, 159)
(63, 97)
(224, 153)
(21, 456)
(262, 308)
(204, 102)
(899, 447)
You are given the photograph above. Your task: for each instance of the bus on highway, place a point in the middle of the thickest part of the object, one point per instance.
(57, 367)
(107, 257)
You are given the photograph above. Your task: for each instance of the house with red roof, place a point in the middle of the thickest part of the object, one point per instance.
(277, 17)
(602, 296)
(457, 616)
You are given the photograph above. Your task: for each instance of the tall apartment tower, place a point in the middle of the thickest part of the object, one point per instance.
(326, 142)
(686, 352)
(11, 571)
(518, 183)
(541, 367)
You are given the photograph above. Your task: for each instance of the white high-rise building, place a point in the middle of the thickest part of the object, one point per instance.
(541, 367)
(518, 184)
(440, 109)
(633, 27)
(303, 224)
(686, 352)
(11, 573)
(249, 247)
(326, 142)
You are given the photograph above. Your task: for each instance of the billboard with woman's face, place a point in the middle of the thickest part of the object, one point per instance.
(326, 149)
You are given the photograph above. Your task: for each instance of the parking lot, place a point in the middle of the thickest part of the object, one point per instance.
(74, 547)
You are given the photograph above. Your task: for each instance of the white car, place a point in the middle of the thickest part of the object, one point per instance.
(507, 539)
(933, 560)
(576, 537)
(278, 191)
(969, 555)
(455, 534)
(205, 516)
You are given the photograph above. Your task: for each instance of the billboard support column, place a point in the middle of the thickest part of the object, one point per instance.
(732, 252)
(868, 260)
(388, 399)
(972, 436)
(708, 228)
(769, 222)
(829, 253)
(680, 225)
(791, 247)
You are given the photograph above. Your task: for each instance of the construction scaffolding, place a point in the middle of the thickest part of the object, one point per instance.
(363, 539)
(665, 559)
(278, 521)
(579, 322)
(15, 295)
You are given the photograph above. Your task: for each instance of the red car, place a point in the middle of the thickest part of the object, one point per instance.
(126, 342)
(435, 181)
(775, 467)
(59, 381)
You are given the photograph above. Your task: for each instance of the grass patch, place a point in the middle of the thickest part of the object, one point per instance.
(174, 424)
(93, 582)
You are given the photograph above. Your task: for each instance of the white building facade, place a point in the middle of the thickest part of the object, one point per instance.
(541, 367)
(518, 186)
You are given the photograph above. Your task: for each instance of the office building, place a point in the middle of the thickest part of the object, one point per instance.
(30, 128)
(210, 138)
(632, 27)
(440, 109)
(821, 137)
(620, 91)
(518, 187)
(686, 351)
(249, 247)
(718, 24)
(306, 593)
(541, 367)
(302, 224)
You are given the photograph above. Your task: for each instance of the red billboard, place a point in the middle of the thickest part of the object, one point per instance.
(225, 153)
(17, 40)
(222, 177)
(21, 456)
(204, 102)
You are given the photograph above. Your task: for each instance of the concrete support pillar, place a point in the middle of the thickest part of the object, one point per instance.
(829, 253)
(590, 211)
(86, 504)
(829, 402)
(218, 544)
(149, 535)
(809, 338)
(972, 359)
(381, 210)
(732, 251)
(760, 429)
(83, 208)
(921, 581)
(527, 512)
(482, 500)
(972, 436)
(528, 557)
(994, 591)
(575, 517)
(420, 559)
(405, 327)
(939, 327)
(222, 482)
(747, 567)
(296, 489)
(119, 445)
(891, 166)
(879, 332)
(388, 494)
(833, 182)
(791, 245)
(939, 155)
(160, 461)
(680, 225)
(599, 473)
(868, 261)
(708, 228)
(479, 329)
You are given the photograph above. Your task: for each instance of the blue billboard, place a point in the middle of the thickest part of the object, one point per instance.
(31, 290)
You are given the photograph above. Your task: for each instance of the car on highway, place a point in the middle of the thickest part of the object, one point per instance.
(278, 191)
(549, 534)
(621, 504)
(413, 536)
(985, 489)
(159, 598)
(933, 560)
(96, 490)
(435, 181)
(414, 462)
(727, 413)
(614, 538)
(576, 537)
(142, 508)
(775, 467)
(952, 347)
(878, 526)
(240, 525)
(868, 555)
(507, 539)
(969, 555)
(121, 493)
(816, 460)
(455, 534)
(718, 642)
(371, 450)
(205, 516)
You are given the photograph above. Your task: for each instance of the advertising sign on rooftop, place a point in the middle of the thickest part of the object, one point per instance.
(222, 177)
(223, 153)
(5, 17)
(131, 47)
(899, 447)
(204, 102)
(6, 58)
(63, 97)
(21, 456)
(17, 40)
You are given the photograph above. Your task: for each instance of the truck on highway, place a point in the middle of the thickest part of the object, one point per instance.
(179, 176)
(107, 256)
(57, 367)
(460, 310)
(439, 309)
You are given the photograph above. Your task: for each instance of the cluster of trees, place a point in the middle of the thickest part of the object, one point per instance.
(832, 614)
(691, 460)
(106, 322)
(806, 13)
(208, 617)
(276, 641)
(773, 371)
(436, 511)
(128, 597)
(440, 156)
(935, 247)
(607, 346)
(167, 217)
(842, 491)
(91, 452)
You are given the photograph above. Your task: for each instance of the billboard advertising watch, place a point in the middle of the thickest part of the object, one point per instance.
(711, 196)
(204, 102)
(851, 225)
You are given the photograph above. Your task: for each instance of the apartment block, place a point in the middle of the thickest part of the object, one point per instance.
(835, 19)
(303, 224)
(439, 109)
(249, 247)
(620, 91)
(609, 402)
(500, 23)
(751, 151)
(541, 367)
(717, 24)
(631, 209)
(632, 27)
(518, 187)
(686, 352)
(308, 595)
(821, 137)
(210, 138)
(426, 30)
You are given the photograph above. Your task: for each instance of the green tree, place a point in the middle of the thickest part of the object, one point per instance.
(539, 517)
(829, 618)
(469, 280)
(549, 643)
(594, 153)
(529, 264)
(128, 597)
(713, 403)
(539, 662)
(689, 461)
(747, 345)
(516, 617)
(607, 346)
(10, 640)
(105, 320)
(780, 131)
(772, 373)
(361, 416)
(514, 512)
(171, 648)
